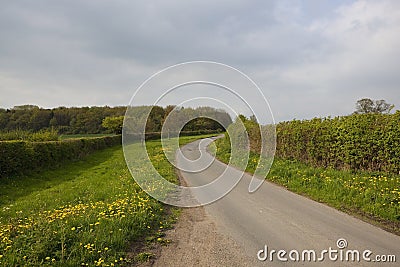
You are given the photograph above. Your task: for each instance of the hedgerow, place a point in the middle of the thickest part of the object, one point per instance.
(22, 157)
(368, 142)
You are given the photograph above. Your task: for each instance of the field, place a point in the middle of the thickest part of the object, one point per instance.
(372, 195)
(85, 213)
(72, 136)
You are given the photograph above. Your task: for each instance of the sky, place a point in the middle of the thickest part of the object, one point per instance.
(309, 58)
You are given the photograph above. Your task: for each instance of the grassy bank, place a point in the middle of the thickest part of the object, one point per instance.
(85, 213)
(374, 196)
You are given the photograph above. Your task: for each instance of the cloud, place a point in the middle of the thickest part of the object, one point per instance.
(311, 58)
(356, 56)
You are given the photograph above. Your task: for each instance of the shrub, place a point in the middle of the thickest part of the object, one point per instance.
(21, 157)
(42, 135)
(369, 142)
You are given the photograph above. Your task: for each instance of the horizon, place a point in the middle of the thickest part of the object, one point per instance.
(394, 110)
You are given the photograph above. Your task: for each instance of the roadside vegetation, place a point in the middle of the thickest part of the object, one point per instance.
(24, 135)
(20, 157)
(350, 163)
(84, 214)
(75, 136)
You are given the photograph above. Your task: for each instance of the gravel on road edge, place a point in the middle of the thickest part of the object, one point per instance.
(195, 241)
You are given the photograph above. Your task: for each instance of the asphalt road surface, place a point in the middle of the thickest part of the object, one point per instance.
(281, 220)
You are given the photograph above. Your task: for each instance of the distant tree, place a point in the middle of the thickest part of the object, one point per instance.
(382, 107)
(242, 118)
(87, 120)
(113, 124)
(39, 119)
(366, 105)
(25, 107)
(253, 118)
(155, 119)
(168, 110)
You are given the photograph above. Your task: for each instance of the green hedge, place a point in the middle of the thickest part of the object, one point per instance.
(369, 142)
(358, 142)
(21, 157)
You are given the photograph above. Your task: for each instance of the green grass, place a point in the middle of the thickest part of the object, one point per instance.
(73, 136)
(40, 136)
(85, 213)
(374, 196)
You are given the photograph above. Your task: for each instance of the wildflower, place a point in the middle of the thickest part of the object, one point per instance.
(73, 229)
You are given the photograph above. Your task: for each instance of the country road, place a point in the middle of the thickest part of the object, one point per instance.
(281, 220)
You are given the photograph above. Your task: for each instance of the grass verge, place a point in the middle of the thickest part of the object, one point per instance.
(84, 214)
(374, 197)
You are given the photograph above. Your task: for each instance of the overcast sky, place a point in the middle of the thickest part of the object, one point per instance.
(310, 58)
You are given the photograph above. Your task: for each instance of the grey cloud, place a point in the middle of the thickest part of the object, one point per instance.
(312, 58)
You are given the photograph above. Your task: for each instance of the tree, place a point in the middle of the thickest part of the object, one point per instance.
(113, 124)
(366, 105)
(382, 107)
(253, 118)
(242, 118)
(25, 107)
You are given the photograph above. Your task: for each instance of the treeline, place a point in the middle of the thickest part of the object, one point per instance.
(154, 119)
(88, 120)
(72, 120)
(369, 142)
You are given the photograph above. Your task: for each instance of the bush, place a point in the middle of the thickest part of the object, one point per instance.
(368, 142)
(21, 157)
(42, 135)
